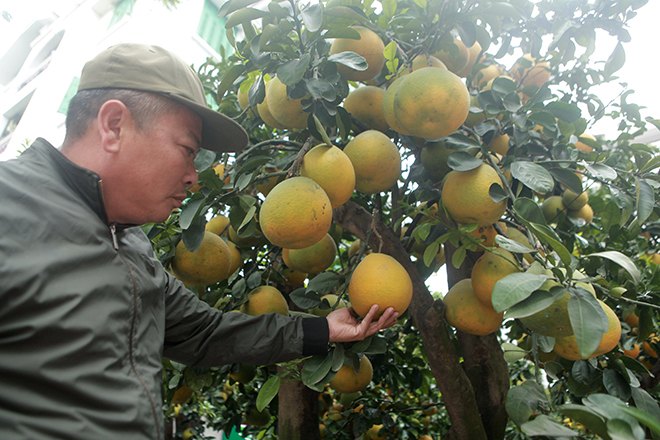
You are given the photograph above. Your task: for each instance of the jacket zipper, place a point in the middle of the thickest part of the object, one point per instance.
(113, 234)
(131, 356)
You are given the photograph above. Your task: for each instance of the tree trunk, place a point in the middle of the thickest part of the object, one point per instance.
(457, 391)
(298, 416)
(483, 361)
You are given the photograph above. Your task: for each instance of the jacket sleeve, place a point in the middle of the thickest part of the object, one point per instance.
(199, 335)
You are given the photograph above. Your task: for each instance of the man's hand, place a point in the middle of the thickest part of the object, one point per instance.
(344, 326)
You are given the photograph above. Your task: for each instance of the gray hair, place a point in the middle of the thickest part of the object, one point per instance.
(145, 107)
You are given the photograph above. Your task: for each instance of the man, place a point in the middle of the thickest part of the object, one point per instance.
(87, 311)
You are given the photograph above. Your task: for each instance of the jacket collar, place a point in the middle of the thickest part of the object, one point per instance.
(85, 183)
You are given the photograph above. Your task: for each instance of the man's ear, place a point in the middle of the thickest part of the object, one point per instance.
(113, 121)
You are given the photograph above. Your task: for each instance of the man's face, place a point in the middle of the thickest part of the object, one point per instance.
(158, 165)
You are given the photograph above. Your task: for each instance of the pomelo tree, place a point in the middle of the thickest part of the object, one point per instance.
(578, 214)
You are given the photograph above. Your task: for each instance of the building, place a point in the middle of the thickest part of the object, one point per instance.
(39, 69)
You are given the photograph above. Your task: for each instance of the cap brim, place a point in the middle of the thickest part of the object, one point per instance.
(219, 132)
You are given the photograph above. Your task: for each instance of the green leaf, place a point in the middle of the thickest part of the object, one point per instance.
(430, 252)
(544, 426)
(623, 261)
(323, 283)
(512, 353)
(390, 51)
(621, 430)
(194, 235)
(512, 246)
(189, 212)
(550, 238)
(568, 178)
(321, 130)
(292, 71)
(463, 161)
(268, 392)
(312, 16)
(533, 176)
(350, 59)
(611, 407)
(321, 89)
(528, 209)
(337, 357)
(523, 400)
(305, 299)
(586, 416)
(615, 384)
(536, 302)
(458, 257)
(588, 320)
(615, 61)
(564, 111)
(244, 15)
(496, 193)
(351, 14)
(610, 216)
(544, 119)
(644, 402)
(600, 170)
(234, 5)
(645, 199)
(316, 368)
(514, 288)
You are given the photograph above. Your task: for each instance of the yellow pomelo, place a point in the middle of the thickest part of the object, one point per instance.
(292, 277)
(257, 418)
(572, 201)
(586, 213)
(474, 52)
(244, 100)
(466, 198)
(583, 146)
(366, 104)
(265, 299)
(554, 320)
(218, 225)
(388, 107)
(484, 75)
(332, 299)
(236, 258)
(552, 207)
(376, 161)
(466, 313)
(333, 170)
(431, 103)
(648, 348)
(488, 233)
(313, 259)
(379, 279)
(288, 112)
(247, 241)
(488, 270)
(456, 58)
(500, 144)
(244, 373)
(373, 433)
(420, 62)
(369, 46)
(296, 213)
(538, 74)
(348, 381)
(265, 113)
(209, 265)
(567, 348)
(434, 160)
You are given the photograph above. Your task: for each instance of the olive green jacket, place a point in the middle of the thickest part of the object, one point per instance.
(87, 313)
